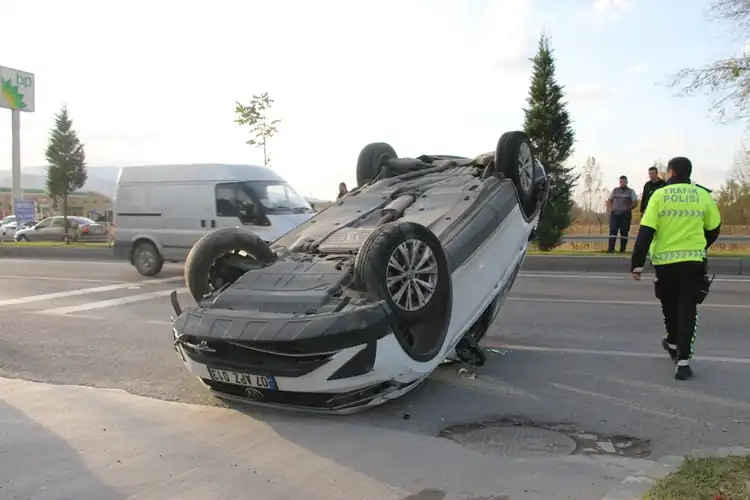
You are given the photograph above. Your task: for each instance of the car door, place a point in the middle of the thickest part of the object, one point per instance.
(56, 231)
(37, 234)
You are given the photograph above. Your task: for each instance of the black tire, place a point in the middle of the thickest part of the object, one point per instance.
(372, 271)
(24, 238)
(215, 245)
(147, 259)
(514, 157)
(371, 159)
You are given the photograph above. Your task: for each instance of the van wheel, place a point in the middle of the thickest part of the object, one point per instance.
(147, 259)
(220, 257)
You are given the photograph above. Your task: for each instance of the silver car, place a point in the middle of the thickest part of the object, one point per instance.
(53, 229)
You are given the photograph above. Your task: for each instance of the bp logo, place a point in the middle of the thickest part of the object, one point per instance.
(11, 94)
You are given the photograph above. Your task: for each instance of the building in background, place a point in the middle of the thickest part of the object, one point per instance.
(82, 203)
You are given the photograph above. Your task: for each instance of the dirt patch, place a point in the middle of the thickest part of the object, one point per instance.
(522, 437)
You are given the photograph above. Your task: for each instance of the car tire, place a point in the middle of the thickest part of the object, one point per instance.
(147, 259)
(376, 269)
(371, 159)
(215, 245)
(24, 238)
(514, 158)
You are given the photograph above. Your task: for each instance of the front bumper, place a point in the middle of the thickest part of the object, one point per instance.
(310, 393)
(346, 379)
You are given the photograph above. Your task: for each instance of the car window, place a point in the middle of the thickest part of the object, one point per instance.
(82, 220)
(278, 195)
(58, 222)
(44, 224)
(229, 198)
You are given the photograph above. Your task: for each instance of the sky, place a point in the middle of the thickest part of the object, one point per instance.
(156, 82)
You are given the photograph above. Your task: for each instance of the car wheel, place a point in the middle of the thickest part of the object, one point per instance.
(220, 257)
(404, 264)
(23, 237)
(514, 157)
(147, 259)
(370, 161)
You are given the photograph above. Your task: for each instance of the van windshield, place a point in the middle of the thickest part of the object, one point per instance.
(278, 197)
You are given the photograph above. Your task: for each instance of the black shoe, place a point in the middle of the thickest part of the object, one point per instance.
(683, 372)
(672, 352)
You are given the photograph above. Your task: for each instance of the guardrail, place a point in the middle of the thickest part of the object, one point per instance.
(583, 238)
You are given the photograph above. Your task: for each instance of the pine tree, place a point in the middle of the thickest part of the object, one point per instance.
(548, 125)
(66, 172)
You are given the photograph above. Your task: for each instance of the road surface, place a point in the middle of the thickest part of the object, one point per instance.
(577, 352)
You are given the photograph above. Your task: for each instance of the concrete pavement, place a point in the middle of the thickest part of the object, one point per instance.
(77, 442)
(573, 353)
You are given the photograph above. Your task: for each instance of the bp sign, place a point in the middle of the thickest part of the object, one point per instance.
(16, 90)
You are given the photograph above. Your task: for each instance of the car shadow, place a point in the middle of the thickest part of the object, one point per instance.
(37, 463)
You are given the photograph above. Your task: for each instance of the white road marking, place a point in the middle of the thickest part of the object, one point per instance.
(62, 311)
(159, 322)
(632, 405)
(597, 352)
(622, 302)
(56, 278)
(623, 276)
(83, 291)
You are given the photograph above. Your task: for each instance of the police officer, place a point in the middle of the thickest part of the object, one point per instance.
(680, 223)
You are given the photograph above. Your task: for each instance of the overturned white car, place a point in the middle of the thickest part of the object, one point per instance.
(362, 302)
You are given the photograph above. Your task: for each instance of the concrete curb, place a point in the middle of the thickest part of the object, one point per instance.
(634, 487)
(618, 264)
(543, 263)
(19, 251)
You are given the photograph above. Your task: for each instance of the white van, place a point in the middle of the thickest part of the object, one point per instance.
(161, 211)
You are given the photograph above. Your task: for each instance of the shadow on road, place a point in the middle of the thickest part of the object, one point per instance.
(37, 463)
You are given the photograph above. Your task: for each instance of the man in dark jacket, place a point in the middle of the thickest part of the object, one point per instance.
(654, 183)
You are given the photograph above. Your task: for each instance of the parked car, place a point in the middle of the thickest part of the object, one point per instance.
(161, 211)
(53, 229)
(358, 305)
(9, 229)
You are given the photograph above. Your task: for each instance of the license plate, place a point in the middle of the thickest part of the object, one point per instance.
(243, 379)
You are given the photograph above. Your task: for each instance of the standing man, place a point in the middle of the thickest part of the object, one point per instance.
(342, 190)
(680, 224)
(621, 203)
(654, 182)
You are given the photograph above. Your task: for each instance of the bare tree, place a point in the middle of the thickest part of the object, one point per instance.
(726, 80)
(591, 196)
(733, 198)
(262, 127)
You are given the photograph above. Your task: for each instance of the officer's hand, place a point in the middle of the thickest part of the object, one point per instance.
(637, 273)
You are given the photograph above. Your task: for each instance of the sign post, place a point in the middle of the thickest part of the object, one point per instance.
(17, 95)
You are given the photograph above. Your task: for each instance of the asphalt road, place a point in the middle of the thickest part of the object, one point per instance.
(579, 349)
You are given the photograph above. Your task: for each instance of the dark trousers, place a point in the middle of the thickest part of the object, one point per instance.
(619, 223)
(679, 288)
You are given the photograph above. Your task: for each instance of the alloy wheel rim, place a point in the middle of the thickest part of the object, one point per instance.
(525, 167)
(412, 274)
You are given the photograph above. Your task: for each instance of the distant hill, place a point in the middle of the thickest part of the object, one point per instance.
(100, 179)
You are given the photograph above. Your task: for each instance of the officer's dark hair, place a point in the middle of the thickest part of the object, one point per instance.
(623, 178)
(653, 169)
(681, 166)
